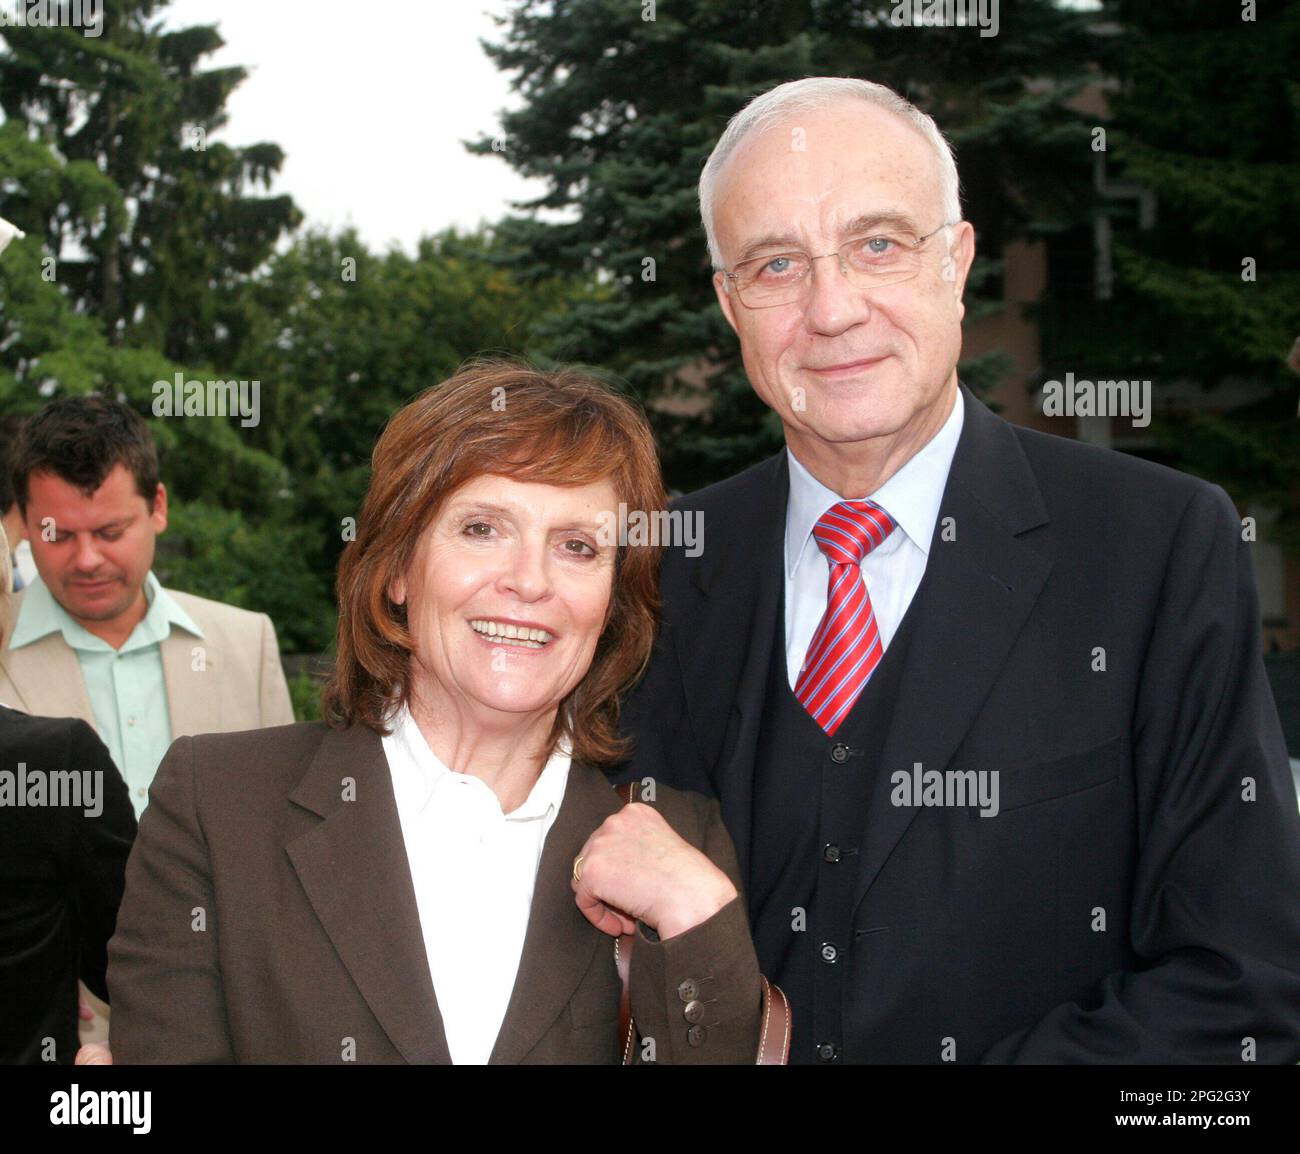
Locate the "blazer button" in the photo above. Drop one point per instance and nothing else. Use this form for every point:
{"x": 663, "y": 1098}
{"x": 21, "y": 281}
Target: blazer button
{"x": 830, "y": 954}
{"x": 695, "y": 1035}
{"x": 828, "y": 1052}
{"x": 688, "y": 991}
{"x": 839, "y": 753}
{"x": 694, "y": 1011}
{"x": 831, "y": 853}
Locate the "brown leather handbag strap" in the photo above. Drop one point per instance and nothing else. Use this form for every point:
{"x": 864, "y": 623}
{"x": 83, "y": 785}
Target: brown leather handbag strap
{"x": 773, "y": 1037}
{"x": 623, "y": 962}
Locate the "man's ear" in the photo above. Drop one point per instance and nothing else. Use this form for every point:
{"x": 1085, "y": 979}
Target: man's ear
{"x": 726, "y": 300}
{"x": 960, "y": 257}
{"x": 158, "y": 515}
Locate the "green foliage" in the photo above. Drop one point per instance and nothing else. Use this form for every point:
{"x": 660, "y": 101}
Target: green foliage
{"x": 1208, "y": 119}
{"x": 106, "y": 159}
{"x": 304, "y": 692}
{"x": 148, "y": 258}
{"x": 262, "y": 565}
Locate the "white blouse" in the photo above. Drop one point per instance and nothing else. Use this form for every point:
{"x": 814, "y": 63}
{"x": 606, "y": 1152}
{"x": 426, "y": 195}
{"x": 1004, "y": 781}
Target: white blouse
{"x": 474, "y": 869}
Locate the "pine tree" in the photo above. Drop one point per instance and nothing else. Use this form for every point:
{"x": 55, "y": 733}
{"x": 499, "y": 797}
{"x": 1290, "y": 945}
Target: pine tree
{"x": 153, "y": 224}
{"x": 1208, "y": 121}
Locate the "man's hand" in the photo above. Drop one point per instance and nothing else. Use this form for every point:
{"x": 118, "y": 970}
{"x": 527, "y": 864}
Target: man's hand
{"x": 635, "y": 867}
{"x": 94, "y": 1054}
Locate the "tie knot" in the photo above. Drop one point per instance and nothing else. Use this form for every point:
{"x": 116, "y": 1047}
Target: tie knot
{"x": 847, "y": 532}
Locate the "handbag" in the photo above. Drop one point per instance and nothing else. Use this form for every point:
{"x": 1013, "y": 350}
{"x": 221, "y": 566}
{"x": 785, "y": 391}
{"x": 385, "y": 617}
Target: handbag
{"x": 774, "y": 1035}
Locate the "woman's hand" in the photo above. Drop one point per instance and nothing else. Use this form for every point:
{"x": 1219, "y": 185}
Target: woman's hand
{"x": 635, "y": 867}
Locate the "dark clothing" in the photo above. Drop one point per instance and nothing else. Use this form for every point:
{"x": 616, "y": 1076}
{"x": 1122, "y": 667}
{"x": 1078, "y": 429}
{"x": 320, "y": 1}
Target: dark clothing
{"x": 1088, "y": 630}
{"x": 811, "y": 794}
{"x": 311, "y": 948}
{"x": 61, "y": 878}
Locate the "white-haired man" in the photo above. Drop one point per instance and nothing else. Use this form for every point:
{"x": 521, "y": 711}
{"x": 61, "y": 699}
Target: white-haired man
{"x": 985, "y": 708}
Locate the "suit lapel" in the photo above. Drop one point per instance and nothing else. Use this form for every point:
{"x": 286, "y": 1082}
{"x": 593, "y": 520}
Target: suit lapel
{"x": 726, "y": 635}
{"x": 46, "y": 679}
{"x": 193, "y": 681}
{"x": 354, "y": 869}
{"x": 560, "y": 942}
{"x": 977, "y": 593}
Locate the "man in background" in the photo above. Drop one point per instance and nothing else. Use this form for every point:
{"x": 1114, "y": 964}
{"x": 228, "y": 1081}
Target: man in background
{"x": 96, "y": 636}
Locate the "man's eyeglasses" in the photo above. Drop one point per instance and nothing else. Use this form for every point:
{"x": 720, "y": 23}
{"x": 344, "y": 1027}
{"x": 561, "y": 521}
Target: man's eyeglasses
{"x": 783, "y": 278}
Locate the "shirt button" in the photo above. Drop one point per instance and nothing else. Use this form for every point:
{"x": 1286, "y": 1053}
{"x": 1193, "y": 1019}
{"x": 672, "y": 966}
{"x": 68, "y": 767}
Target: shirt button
{"x": 688, "y": 991}
{"x": 828, "y": 1052}
{"x": 839, "y": 753}
{"x": 831, "y": 853}
{"x": 130, "y": 721}
{"x": 830, "y": 953}
{"x": 139, "y": 793}
{"x": 695, "y": 1035}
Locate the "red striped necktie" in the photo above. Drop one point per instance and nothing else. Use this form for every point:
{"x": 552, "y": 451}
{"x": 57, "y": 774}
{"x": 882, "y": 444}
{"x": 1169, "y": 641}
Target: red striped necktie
{"x": 846, "y": 648}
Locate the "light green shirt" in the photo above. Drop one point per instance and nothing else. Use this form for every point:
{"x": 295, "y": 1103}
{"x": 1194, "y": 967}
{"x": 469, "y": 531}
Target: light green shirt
{"x": 126, "y": 688}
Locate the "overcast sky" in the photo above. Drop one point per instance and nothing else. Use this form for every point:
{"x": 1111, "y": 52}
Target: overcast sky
{"x": 370, "y": 102}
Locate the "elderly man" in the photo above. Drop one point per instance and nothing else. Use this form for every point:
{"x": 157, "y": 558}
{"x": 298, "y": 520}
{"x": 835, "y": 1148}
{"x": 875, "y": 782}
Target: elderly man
{"x": 985, "y": 708}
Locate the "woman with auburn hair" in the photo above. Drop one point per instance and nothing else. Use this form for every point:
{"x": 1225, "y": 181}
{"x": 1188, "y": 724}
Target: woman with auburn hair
{"x": 438, "y": 872}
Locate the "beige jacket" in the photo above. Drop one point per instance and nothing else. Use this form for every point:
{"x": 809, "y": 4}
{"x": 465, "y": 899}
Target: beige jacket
{"x": 235, "y": 683}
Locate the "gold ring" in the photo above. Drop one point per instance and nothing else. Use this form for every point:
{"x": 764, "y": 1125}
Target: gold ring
{"x": 577, "y": 869}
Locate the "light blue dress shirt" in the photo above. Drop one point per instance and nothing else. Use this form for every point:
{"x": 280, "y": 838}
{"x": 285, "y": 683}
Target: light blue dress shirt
{"x": 127, "y": 691}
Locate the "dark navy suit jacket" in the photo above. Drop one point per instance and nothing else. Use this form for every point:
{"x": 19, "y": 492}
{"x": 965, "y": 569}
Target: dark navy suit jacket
{"x": 1091, "y": 632}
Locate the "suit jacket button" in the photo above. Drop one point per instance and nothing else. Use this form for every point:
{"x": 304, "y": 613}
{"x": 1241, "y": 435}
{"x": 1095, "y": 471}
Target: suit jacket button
{"x": 695, "y": 1035}
{"x": 828, "y": 1052}
{"x": 830, "y": 953}
{"x": 694, "y": 1011}
{"x": 688, "y": 991}
{"x": 831, "y": 853}
{"x": 839, "y": 753}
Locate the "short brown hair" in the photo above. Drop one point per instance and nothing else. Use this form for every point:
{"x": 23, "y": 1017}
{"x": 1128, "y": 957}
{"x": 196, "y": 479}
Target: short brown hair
{"x": 558, "y": 427}
{"x": 80, "y": 439}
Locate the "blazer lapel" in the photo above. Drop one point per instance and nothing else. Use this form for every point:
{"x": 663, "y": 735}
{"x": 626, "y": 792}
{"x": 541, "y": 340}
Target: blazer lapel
{"x": 977, "y": 593}
{"x": 726, "y": 635}
{"x": 354, "y": 869}
{"x": 560, "y": 942}
{"x": 46, "y": 678}
{"x": 192, "y": 675}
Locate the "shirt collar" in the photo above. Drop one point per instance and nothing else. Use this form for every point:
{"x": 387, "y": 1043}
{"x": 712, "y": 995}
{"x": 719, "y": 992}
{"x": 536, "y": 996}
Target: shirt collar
{"x": 911, "y": 496}
{"x": 40, "y": 615}
{"x": 419, "y": 770}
